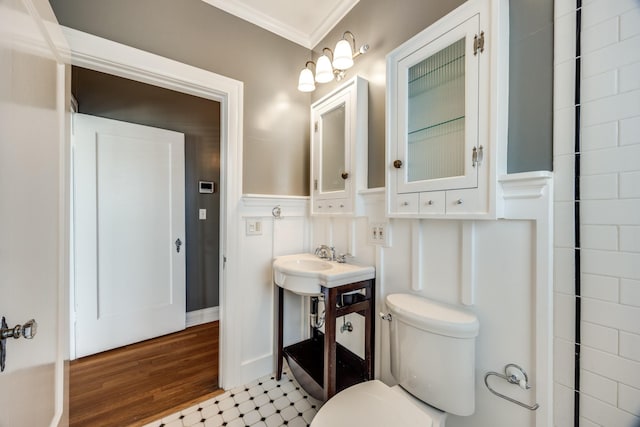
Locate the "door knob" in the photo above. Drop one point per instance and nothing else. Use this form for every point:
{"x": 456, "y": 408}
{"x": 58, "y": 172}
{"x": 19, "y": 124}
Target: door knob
{"x": 28, "y": 331}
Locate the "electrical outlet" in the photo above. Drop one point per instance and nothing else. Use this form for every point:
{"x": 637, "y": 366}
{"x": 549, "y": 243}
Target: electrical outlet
{"x": 254, "y": 227}
{"x": 378, "y": 234}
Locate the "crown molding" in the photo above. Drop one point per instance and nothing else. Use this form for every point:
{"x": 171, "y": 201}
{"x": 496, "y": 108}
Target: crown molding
{"x": 308, "y": 39}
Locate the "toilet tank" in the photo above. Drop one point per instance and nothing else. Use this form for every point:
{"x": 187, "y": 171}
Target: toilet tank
{"x": 433, "y": 351}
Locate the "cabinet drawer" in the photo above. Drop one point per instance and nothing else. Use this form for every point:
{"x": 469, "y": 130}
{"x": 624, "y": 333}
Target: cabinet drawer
{"x": 407, "y": 203}
{"x": 467, "y": 201}
{"x": 432, "y": 202}
{"x": 331, "y": 206}
{"x": 319, "y": 207}
{"x": 339, "y": 206}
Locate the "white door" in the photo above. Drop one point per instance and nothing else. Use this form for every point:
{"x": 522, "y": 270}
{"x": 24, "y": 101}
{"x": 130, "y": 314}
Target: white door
{"x": 129, "y": 233}
{"x": 32, "y": 210}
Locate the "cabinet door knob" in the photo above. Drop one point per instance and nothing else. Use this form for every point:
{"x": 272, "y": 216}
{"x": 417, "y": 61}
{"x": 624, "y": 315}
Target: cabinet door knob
{"x": 430, "y": 202}
{"x": 345, "y": 175}
{"x": 405, "y": 203}
{"x": 397, "y": 164}
{"x": 459, "y": 202}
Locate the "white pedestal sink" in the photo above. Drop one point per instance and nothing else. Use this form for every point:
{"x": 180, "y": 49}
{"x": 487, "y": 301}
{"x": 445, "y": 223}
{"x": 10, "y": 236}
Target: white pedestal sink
{"x": 304, "y": 274}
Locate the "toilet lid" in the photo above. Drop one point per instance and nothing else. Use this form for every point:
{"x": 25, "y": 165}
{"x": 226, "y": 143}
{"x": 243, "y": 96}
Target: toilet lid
{"x": 370, "y": 404}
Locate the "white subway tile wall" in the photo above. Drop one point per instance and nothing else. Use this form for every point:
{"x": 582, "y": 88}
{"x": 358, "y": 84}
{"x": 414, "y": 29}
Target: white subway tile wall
{"x": 610, "y": 212}
{"x": 599, "y": 337}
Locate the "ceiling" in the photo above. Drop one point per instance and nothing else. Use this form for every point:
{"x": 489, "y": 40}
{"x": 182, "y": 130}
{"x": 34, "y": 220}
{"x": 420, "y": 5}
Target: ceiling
{"x": 305, "y": 22}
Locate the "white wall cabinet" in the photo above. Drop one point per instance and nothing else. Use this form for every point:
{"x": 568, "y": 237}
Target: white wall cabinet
{"x": 447, "y": 116}
{"x": 339, "y": 147}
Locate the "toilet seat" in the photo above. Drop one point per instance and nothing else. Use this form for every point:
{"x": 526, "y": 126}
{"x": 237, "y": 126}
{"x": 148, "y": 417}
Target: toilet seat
{"x": 373, "y": 403}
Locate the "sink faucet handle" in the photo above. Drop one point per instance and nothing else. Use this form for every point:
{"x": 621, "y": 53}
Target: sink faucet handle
{"x": 326, "y": 252}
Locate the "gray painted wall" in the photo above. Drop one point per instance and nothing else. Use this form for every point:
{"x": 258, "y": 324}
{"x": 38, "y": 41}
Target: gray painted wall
{"x": 276, "y": 115}
{"x": 276, "y": 140}
{"x": 530, "y": 86}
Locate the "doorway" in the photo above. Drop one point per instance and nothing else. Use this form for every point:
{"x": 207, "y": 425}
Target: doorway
{"x": 102, "y": 55}
{"x": 112, "y": 97}
{"x": 115, "y": 101}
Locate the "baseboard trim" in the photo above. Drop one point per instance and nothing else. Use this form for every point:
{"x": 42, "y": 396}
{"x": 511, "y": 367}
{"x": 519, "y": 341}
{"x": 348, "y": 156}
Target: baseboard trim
{"x": 206, "y": 315}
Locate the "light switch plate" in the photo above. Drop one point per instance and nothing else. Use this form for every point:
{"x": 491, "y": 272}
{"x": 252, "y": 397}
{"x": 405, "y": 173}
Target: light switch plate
{"x": 254, "y": 227}
{"x": 202, "y": 214}
{"x": 379, "y": 233}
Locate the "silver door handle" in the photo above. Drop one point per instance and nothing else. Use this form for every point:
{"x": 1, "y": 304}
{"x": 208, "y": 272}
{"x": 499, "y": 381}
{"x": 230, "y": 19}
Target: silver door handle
{"x": 27, "y": 331}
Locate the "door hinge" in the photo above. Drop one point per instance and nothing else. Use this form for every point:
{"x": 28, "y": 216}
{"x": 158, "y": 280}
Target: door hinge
{"x": 315, "y": 127}
{"x": 478, "y": 43}
{"x": 315, "y": 185}
{"x": 476, "y": 156}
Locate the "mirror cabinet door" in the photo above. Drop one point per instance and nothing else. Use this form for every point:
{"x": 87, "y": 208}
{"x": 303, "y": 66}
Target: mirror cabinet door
{"x": 332, "y": 145}
{"x": 338, "y": 149}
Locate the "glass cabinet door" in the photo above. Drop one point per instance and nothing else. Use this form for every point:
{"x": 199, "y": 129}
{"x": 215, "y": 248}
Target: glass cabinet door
{"x": 339, "y": 149}
{"x": 332, "y": 157}
{"x": 438, "y": 113}
{"x": 331, "y": 142}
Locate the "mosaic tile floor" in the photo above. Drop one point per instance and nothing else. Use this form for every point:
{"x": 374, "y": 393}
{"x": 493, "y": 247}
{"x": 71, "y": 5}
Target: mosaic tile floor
{"x": 261, "y": 403}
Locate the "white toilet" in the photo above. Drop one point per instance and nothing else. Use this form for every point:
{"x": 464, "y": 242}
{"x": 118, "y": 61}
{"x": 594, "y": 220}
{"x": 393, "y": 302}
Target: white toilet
{"x": 433, "y": 360}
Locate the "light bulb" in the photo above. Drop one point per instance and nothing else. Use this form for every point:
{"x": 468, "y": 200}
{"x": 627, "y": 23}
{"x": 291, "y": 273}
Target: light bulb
{"x": 305, "y": 81}
{"x": 324, "y": 72}
{"x": 343, "y": 55}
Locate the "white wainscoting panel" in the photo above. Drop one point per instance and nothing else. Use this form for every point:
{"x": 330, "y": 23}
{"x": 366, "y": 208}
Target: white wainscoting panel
{"x": 501, "y": 270}
{"x": 287, "y": 234}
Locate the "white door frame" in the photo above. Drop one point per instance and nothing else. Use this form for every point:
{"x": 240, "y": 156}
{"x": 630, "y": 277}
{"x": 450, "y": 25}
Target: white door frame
{"x": 92, "y": 52}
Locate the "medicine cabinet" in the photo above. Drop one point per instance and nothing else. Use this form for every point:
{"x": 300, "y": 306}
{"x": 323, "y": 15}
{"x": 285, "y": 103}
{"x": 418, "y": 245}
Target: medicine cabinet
{"x": 339, "y": 149}
{"x": 447, "y": 115}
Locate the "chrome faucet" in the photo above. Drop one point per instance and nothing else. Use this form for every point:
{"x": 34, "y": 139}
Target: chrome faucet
{"x": 326, "y": 252}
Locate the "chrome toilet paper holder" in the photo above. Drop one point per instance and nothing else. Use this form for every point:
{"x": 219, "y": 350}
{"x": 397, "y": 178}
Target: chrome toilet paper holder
{"x": 513, "y": 374}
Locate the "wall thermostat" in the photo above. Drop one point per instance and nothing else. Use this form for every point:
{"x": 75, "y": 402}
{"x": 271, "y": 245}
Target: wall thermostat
{"x": 207, "y": 187}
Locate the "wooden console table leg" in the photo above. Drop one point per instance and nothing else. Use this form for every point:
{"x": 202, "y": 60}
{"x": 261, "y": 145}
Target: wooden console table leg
{"x": 279, "y": 344}
{"x": 369, "y": 331}
{"x": 330, "y": 300}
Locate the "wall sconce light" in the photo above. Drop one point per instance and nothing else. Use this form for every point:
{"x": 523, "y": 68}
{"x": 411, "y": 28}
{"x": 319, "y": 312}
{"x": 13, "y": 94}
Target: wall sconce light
{"x": 305, "y": 81}
{"x": 335, "y": 68}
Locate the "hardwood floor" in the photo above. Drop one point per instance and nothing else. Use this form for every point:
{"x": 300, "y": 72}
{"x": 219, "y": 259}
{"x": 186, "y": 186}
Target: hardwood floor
{"x": 142, "y": 382}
